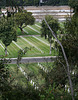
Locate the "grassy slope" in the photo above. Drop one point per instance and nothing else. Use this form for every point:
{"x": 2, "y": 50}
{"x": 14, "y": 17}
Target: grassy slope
{"x": 18, "y": 77}
{"x": 13, "y": 49}
{"x": 33, "y": 70}
{"x": 30, "y": 31}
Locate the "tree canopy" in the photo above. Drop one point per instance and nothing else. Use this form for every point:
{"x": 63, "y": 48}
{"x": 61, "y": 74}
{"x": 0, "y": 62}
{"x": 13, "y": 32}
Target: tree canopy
{"x": 24, "y": 18}
{"x": 74, "y": 4}
{"x": 53, "y": 24}
{"x": 45, "y": 30}
{"x": 7, "y": 32}
{"x": 56, "y": 2}
{"x": 32, "y": 2}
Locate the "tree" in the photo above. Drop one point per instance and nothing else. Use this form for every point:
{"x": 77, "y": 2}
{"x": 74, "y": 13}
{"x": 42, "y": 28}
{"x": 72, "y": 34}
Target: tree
{"x": 70, "y": 44}
{"x": 14, "y": 3}
{"x": 70, "y": 41}
{"x": 21, "y": 2}
{"x": 32, "y": 2}
{"x": 65, "y": 59}
{"x": 2, "y": 2}
{"x": 4, "y": 77}
{"x": 7, "y": 32}
{"x": 74, "y": 4}
{"x": 45, "y": 30}
{"x": 24, "y": 18}
{"x": 55, "y": 2}
{"x": 54, "y": 77}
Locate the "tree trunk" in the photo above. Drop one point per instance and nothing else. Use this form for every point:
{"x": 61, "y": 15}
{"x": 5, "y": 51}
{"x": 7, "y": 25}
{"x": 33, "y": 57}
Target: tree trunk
{"x": 65, "y": 57}
{"x": 21, "y": 30}
{"x": 50, "y": 46}
{"x": 45, "y": 36}
{"x": 5, "y": 50}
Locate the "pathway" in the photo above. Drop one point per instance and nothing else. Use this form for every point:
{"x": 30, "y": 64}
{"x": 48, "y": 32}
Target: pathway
{"x": 33, "y": 59}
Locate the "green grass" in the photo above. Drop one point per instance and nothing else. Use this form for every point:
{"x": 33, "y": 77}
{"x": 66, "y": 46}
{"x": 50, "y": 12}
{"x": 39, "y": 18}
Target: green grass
{"x": 36, "y": 47}
{"x": 48, "y": 65}
{"x": 61, "y": 24}
{"x": 33, "y": 70}
{"x": 36, "y": 27}
{"x": 19, "y": 31}
{"x": 29, "y": 30}
{"x": 22, "y": 43}
{"x": 43, "y": 39}
{"x": 38, "y": 24}
{"x": 39, "y": 44}
{"x": 1, "y": 50}
{"x": 18, "y": 77}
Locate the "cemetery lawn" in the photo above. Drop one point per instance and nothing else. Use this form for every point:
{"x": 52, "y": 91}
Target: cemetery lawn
{"x": 38, "y": 47}
{"x": 33, "y": 71}
{"x": 30, "y": 30}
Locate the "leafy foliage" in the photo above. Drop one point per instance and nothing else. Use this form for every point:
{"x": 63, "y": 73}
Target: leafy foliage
{"x": 24, "y": 18}
{"x": 53, "y": 24}
{"x": 32, "y": 2}
{"x": 7, "y": 31}
{"x": 71, "y": 39}
{"x": 70, "y": 43}
{"x": 4, "y": 77}
{"x": 19, "y": 93}
{"x": 56, "y": 2}
{"x": 54, "y": 77}
{"x": 74, "y": 4}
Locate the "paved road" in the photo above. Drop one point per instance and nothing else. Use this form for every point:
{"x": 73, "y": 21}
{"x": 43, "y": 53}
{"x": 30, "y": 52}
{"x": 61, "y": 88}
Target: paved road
{"x": 34, "y": 59}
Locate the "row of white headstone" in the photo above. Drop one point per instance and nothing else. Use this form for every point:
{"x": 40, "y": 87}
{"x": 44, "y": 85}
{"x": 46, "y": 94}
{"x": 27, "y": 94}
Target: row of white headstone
{"x": 42, "y": 67}
{"x": 26, "y": 76}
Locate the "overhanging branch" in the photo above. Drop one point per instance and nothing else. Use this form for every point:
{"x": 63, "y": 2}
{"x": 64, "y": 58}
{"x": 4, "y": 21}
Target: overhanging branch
{"x": 65, "y": 57}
